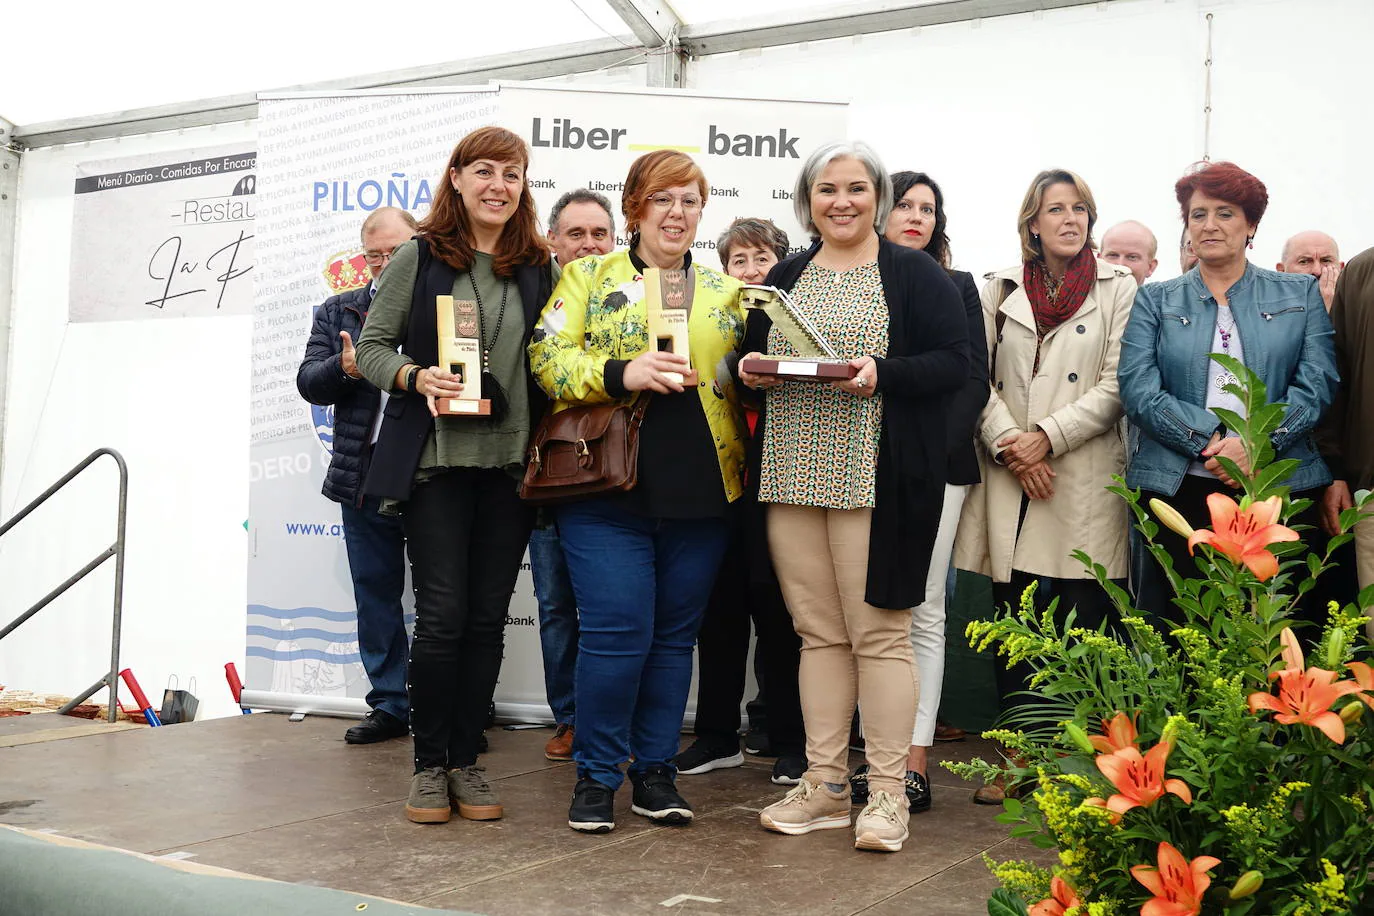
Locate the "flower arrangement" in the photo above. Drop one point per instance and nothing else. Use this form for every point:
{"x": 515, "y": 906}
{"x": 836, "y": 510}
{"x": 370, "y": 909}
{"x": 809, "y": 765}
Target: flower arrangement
{"x": 1216, "y": 768}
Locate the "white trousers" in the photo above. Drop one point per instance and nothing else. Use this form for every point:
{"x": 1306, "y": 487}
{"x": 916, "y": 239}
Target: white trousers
{"x": 928, "y": 621}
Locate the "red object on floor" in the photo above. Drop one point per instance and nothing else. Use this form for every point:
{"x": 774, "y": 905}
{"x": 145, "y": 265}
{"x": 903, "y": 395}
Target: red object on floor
{"x": 147, "y": 708}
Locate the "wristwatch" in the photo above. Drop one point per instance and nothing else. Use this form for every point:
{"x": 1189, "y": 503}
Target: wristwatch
{"x": 411, "y": 377}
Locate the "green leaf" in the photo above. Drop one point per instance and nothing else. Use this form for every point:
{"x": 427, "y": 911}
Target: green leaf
{"x": 1013, "y": 807}
{"x": 1004, "y": 903}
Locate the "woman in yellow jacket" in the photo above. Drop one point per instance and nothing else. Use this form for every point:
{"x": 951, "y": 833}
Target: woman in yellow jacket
{"x": 642, "y": 562}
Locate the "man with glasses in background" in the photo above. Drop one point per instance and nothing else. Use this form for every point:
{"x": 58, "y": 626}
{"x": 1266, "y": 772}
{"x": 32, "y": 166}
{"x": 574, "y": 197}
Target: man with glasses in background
{"x": 329, "y": 376}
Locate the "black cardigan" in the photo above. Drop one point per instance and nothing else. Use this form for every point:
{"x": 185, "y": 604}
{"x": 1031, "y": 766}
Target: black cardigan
{"x": 928, "y": 358}
{"x": 407, "y": 421}
{"x": 967, "y": 405}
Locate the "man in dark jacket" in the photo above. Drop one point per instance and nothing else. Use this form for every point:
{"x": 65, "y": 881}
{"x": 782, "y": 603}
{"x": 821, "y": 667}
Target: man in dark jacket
{"x": 1345, "y": 436}
{"x": 376, "y": 545}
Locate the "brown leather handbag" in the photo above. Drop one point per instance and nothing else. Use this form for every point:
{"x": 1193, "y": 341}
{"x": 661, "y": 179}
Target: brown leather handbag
{"x": 584, "y": 451}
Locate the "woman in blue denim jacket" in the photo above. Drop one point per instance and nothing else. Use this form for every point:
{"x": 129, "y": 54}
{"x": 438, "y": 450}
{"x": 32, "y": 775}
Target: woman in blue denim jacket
{"x": 1274, "y": 323}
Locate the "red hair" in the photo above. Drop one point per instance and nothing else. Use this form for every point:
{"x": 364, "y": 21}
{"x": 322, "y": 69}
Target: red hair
{"x": 653, "y": 172}
{"x": 446, "y": 227}
{"x": 1224, "y": 181}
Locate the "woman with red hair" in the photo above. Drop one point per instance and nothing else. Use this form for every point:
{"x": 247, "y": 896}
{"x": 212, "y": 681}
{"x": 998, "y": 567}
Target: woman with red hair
{"x": 454, "y": 478}
{"x": 643, "y": 562}
{"x": 1273, "y": 323}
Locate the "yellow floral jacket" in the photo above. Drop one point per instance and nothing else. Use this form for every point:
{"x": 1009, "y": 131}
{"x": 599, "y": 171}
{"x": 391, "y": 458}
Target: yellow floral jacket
{"x": 597, "y": 313}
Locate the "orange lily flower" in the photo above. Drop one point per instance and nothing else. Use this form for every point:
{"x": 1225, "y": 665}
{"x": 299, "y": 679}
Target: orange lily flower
{"x": 1305, "y": 694}
{"x": 1061, "y": 898}
{"x": 1139, "y": 781}
{"x": 1364, "y": 676}
{"x": 1243, "y": 534}
{"x": 1178, "y": 885}
{"x": 1120, "y": 734}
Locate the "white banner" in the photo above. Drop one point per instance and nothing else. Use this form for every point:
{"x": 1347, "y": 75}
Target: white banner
{"x": 750, "y": 149}
{"x": 164, "y": 236}
{"x": 326, "y": 163}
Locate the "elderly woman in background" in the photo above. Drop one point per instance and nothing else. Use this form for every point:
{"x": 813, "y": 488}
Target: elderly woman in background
{"x": 746, "y": 588}
{"x": 854, "y": 473}
{"x": 1050, "y": 425}
{"x": 642, "y": 562}
{"x": 918, "y": 221}
{"x": 1274, "y": 323}
{"x": 456, "y": 477}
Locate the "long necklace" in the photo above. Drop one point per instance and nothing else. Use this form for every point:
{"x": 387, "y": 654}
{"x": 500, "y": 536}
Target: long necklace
{"x": 500, "y": 320}
{"x": 837, "y": 277}
{"x": 1225, "y": 329}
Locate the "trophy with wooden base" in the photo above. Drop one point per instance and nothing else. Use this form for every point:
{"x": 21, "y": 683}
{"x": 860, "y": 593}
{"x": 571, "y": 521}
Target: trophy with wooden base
{"x": 460, "y": 352}
{"x": 668, "y": 296}
{"x": 816, "y": 359}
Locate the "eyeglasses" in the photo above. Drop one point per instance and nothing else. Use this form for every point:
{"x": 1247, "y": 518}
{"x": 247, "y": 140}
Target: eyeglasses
{"x": 690, "y": 202}
{"x": 377, "y": 258}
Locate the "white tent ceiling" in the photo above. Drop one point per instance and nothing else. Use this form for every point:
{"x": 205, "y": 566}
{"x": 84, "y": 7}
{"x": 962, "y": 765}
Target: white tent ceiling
{"x": 87, "y": 60}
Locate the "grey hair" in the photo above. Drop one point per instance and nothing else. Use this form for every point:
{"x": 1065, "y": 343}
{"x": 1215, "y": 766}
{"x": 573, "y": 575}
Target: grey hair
{"x": 823, "y": 156}
{"x": 580, "y": 196}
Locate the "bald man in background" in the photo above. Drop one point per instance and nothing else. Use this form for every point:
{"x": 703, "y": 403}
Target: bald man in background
{"x": 1133, "y": 246}
{"x": 1314, "y": 253}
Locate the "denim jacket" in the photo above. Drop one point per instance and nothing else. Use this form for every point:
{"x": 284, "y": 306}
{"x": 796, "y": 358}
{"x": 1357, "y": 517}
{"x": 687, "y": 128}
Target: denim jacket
{"x": 1286, "y": 337}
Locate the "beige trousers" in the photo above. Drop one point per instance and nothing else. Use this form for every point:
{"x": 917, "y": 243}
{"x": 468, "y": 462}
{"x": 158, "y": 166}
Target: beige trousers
{"x": 850, "y": 649}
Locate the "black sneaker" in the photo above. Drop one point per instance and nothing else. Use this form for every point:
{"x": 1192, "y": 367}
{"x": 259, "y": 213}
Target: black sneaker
{"x": 699, "y": 759}
{"x": 756, "y": 743}
{"x": 858, "y": 785}
{"x": 656, "y": 797}
{"x": 788, "y": 770}
{"x": 917, "y": 792}
{"x": 593, "y": 807}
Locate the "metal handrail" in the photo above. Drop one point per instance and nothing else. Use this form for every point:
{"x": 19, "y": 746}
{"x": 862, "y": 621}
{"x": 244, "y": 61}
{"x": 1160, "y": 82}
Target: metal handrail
{"x": 116, "y": 550}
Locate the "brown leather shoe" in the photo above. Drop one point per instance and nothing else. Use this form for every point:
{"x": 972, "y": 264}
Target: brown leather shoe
{"x": 560, "y": 745}
{"x": 991, "y": 793}
{"x": 945, "y": 732}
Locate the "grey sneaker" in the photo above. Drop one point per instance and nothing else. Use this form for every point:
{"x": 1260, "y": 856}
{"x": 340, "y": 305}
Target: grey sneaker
{"x": 806, "y": 808}
{"x": 882, "y": 826}
{"x": 428, "y": 799}
{"x": 472, "y": 795}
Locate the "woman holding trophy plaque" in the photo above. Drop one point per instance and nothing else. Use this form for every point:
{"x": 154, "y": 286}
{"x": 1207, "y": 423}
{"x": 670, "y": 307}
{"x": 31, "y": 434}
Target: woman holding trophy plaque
{"x": 854, "y": 472}
{"x": 446, "y": 331}
{"x": 647, "y": 322}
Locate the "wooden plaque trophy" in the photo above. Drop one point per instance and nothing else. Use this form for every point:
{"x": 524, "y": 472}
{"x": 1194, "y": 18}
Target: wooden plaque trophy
{"x": 816, "y": 359}
{"x": 668, "y": 294}
{"x": 460, "y": 352}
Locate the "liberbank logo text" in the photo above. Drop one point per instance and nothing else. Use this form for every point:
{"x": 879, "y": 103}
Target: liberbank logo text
{"x": 562, "y": 133}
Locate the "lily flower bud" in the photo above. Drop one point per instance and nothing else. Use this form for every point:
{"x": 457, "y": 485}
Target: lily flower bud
{"x": 1246, "y": 885}
{"x": 1351, "y": 713}
{"x": 1171, "y": 518}
{"x": 1079, "y": 737}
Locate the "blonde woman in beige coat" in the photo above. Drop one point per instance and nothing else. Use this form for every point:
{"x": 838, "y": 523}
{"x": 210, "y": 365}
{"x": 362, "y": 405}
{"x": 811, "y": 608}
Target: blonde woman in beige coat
{"x": 1050, "y": 437}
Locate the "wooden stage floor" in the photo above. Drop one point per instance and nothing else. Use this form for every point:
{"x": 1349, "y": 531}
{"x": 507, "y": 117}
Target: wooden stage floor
{"x": 292, "y": 801}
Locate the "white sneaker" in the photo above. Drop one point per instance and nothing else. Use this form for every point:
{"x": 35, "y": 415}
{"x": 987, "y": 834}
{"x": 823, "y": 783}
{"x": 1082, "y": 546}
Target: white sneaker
{"x": 882, "y": 825}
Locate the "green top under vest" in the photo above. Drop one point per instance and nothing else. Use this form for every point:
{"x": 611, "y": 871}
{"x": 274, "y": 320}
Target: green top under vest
{"x": 455, "y": 442}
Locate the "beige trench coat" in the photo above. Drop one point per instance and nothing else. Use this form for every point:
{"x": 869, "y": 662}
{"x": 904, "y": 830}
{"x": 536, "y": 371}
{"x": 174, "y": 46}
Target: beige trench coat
{"x": 1074, "y": 399}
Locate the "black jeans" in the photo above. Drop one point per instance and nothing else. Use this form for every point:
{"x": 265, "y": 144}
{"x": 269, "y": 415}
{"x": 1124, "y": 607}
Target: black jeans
{"x": 742, "y": 592}
{"x": 466, "y": 530}
{"x": 1085, "y": 595}
{"x": 1153, "y": 594}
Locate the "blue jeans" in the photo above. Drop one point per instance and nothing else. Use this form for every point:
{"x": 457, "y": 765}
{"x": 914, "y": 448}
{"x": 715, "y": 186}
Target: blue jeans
{"x": 641, "y": 585}
{"x": 376, "y": 548}
{"x": 557, "y": 621}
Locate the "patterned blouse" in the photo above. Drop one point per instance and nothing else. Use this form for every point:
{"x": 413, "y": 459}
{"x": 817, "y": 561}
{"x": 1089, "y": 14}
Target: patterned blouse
{"x": 820, "y": 444}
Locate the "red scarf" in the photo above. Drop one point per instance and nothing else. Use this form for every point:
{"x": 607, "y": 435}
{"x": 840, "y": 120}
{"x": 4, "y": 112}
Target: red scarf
{"x": 1052, "y": 311}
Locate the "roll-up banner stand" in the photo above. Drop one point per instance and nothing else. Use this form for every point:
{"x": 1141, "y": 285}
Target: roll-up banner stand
{"x": 324, "y": 163}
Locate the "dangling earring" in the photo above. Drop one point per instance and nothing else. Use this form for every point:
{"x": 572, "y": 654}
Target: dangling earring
{"x": 1250, "y": 243}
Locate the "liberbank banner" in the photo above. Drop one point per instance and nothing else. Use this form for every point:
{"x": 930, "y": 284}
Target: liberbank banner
{"x": 750, "y": 149}
{"x": 324, "y": 163}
